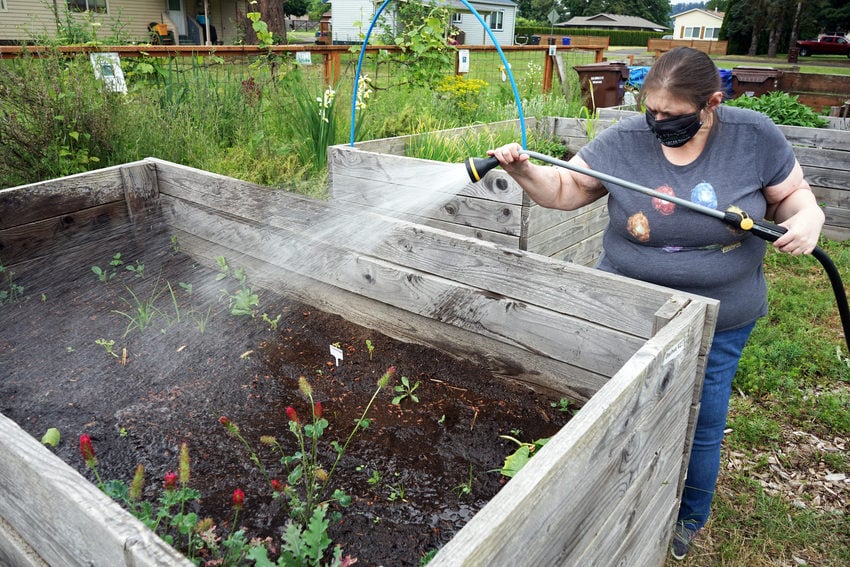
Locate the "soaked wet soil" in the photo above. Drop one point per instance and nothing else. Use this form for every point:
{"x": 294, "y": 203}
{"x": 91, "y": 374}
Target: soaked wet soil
{"x": 416, "y": 475}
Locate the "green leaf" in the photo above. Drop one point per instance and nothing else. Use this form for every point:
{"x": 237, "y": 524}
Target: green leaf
{"x": 51, "y": 437}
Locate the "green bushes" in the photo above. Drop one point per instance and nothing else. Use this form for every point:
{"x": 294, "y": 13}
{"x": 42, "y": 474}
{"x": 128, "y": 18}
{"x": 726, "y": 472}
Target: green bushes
{"x": 55, "y": 120}
{"x": 782, "y": 108}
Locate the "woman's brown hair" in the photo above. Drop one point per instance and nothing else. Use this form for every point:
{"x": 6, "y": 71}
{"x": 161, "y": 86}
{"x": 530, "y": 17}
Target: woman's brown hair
{"x": 687, "y": 74}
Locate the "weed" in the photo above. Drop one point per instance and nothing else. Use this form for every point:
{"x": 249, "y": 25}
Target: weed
{"x": 405, "y": 390}
{"x": 138, "y": 268}
{"x": 107, "y": 345}
{"x": 397, "y": 491}
{"x": 563, "y": 405}
{"x": 465, "y": 488}
{"x": 142, "y": 312}
{"x": 187, "y": 287}
{"x": 12, "y": 291}
{"x": 201, "y": 319}
{"x": 106, "y": 274}
{"x": 243, "y": 301}
{"x": 175, "y": 245}
{"x": 519, "y": 458}
{"x": 272, "y": 323}
{"x": 370, "y": 347}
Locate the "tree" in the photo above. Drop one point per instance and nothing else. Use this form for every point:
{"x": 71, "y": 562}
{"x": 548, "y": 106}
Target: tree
{"x": 296, "y": 7}
{"x": 271, "y": 12}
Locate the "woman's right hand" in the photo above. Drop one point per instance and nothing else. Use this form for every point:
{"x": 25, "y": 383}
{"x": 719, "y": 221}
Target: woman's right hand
{"x": 511, "y": 158}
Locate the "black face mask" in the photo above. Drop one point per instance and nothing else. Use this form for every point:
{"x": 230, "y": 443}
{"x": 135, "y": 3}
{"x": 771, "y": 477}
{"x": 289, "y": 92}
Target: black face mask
{"x": 676, "y": 130}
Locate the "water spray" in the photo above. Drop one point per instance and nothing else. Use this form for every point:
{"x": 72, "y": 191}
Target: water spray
{"x": 477, "y": 168}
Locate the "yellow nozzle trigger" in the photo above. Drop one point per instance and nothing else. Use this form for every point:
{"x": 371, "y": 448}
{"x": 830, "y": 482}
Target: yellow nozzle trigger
{"x": 746, "y": 223}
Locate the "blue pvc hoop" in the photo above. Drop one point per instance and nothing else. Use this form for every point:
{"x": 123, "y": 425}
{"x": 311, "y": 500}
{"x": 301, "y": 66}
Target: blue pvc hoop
{"x": 492, "y": 38}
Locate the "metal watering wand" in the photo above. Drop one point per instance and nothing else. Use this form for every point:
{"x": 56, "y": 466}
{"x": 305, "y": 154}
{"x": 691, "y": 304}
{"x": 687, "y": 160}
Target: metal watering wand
{"x": 478, "y": 167}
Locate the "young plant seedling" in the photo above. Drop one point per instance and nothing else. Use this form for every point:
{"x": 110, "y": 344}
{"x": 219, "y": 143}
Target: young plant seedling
{"x": 105, "y": 275}
{"x": 138, "y": 268}
{"x": 405, "y": 390}
{"x": 563, "y": 406}
{"x": 272, "y": 323}
{"x": 11, "y": 291}
{"x": 107, "y": 344}
{"x": 464, "y": 488}
{"x": 370, "y": 347}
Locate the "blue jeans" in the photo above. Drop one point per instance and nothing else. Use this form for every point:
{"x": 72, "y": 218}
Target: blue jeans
{"x": 704, "y": 465}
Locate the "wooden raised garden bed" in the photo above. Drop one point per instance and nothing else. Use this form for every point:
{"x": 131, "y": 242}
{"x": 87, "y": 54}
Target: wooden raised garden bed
{"x": 604, "y": 490}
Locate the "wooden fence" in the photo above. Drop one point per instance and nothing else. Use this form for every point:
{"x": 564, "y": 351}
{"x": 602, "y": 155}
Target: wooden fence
{"x": 659, "y": 46}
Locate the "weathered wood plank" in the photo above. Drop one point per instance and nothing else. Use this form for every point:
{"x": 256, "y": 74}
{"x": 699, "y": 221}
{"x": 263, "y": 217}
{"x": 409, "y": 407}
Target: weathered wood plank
{"x": 390, "y": 199}
{"x": 48, "y": 199}
{"x": 354, "y": 171}
{"x": 66, "y": 519}
{"x": 14, "y": 550}
{"x": 499, "y": 238}
{"x": 585, "y": 253}
{"x": 821, "y": 158}
{"x": 550, "y": 241}
{"x": 537, "y": 218}
{"x": 633, "y": 426}
{"x": 830, "y": 178}
{"x": 500, "y": 358}
{"x": 830, "y": 197}
{"x": 536, "y": 329}
{"x": 822, "y": 138}
{"x": 624, "y": 304}
{"x": 140, "y": 189}
{"x": 49, "y": 235}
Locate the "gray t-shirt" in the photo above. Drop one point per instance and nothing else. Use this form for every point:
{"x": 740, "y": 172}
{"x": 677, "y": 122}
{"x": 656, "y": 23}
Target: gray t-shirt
{"x": 666, "y": 244}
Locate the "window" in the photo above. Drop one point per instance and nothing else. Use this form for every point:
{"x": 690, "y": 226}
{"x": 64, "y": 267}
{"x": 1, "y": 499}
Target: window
{"x": 87, "y": 6}
{"x": 691, "y": 33}
{"x": 457, "y": 18}
{"x": 712, "y": 33}
{"x": 497, "y": 20}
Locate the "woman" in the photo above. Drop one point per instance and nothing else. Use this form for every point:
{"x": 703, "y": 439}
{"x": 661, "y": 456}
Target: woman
{"x": 689, "y": 145}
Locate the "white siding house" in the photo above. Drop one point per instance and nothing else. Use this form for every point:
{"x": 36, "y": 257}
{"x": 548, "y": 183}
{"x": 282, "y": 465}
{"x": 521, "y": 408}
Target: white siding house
{"x": 350, "y": 20}
{"x": 697, "y": 24}
{"x": 26, "y": 20}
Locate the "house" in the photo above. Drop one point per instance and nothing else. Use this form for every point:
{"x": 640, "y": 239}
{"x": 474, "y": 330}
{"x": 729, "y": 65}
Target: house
{"x": 697, "y": 24}
{"x": 350, "y": 20}
{"x": 25, "y": 20}
{"x": 612, "y": 22}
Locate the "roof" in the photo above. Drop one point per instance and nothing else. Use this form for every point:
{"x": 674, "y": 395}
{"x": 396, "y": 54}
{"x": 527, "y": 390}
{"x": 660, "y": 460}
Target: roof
{"x": 711, "y": 13}
{"x": 612, "y": 21}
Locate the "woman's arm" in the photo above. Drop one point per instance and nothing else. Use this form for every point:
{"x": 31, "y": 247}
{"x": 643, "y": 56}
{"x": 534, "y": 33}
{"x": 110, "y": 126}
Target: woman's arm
{"x": 792, "y": 204}
{"x": 552, "y": 187}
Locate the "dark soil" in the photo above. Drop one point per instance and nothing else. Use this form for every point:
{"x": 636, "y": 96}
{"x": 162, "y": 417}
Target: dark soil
{"x": 196, "y": 362}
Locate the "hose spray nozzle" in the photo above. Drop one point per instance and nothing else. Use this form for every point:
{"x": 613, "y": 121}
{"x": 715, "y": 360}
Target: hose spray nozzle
{"x": 478, "y": 167}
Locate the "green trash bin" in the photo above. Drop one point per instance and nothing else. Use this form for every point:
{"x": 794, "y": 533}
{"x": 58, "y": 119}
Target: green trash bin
{"x": 602, "y": 84}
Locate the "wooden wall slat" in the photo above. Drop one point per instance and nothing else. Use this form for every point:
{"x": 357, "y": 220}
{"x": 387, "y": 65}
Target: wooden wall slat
{"x": 48, "y": 199}
{"x": 52, "y": 235}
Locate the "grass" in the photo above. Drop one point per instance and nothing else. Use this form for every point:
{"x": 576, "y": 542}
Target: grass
{"x": 789, "y": 425}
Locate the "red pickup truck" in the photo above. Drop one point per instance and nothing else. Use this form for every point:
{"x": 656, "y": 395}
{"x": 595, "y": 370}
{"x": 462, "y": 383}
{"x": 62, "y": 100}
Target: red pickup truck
{"x": 825, "y": 45}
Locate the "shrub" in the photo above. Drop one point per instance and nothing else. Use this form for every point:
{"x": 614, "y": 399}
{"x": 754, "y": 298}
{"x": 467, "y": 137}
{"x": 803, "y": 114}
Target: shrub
{"x": 782, "y": 108}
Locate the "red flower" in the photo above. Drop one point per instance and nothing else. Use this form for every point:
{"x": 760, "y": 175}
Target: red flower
{"x": 276, "y": 485}
{"x": 317, "y": 410}
{"x": 224, "y": 421}
{"x": 291, "y": 414}
{"x": 86, "y": 450}
{"x": 238, "y": 499}
{"x": 171, "y": 480}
